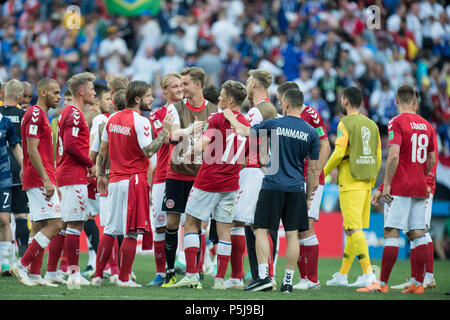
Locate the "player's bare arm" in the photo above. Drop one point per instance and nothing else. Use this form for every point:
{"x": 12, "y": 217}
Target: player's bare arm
{"x": 391, "y": 166}
{"x": 324, "y": 152}
{"x": 102, "y": 160}
{"x": 154, "y": 146}
{"x": 312, "y": 178}
{"x": 239, "y": 127}
{"x": 431, "y": 161}
{"x": 36, "y": 161}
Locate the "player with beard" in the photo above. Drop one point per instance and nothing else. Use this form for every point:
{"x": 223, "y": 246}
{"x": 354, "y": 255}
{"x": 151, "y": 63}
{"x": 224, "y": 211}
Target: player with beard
{"x": 39, "y": 180}
{"x": 128, "y": 142}
{"x": 190, "y": 115}
{"x": 73, "y": 169}
{"x": 171, "y": 85}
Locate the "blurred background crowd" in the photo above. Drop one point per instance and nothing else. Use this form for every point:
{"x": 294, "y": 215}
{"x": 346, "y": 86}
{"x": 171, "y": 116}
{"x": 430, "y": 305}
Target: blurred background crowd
{"x": 322, "y": 45}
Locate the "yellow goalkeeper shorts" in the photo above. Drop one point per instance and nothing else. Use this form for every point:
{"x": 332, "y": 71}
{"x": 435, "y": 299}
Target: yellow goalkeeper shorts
{"x": 355, "y": 208}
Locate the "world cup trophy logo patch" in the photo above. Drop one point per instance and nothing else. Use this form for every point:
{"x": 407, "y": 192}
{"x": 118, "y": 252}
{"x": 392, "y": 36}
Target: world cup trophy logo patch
{"x": 365, "y": 136}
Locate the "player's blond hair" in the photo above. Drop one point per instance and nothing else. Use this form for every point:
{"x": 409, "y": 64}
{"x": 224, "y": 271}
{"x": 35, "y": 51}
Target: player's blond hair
{"x": 262, "y": 77}
{"x": 13, "y": 89}
{"x": 167, "y": 77}
{"x": 117, "y": 82}
{"x": 79, "y": 80}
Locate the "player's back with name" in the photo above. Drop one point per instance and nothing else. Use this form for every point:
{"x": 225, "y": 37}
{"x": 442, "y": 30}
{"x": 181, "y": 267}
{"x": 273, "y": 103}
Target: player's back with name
{"x": 414, "y": 135}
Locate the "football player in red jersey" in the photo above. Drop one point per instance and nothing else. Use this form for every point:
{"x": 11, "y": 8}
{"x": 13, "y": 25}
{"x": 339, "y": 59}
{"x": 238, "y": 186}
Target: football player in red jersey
{"x": 74, "y": 168}
{"x": 411, "y": 157}
{"x": 39, "y": 179}
{"x": 127, "y": 139}
{"x": 216, "y": 184}
{"x": 171, "y": 85}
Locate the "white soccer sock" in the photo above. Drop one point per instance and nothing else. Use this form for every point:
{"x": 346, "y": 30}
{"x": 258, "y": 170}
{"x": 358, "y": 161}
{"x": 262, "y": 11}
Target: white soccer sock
{"x": 263, "y": 270}
{"x": 288, "y": 275}
{"x": 42, "y": 240}
{"x": 5, "y": 247}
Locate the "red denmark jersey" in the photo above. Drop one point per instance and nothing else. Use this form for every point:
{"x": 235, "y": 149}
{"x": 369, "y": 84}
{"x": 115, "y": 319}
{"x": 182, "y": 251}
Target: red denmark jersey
{"x": 162, "y": 156}
{"x": 35, "y": 125}
{"x": 311, "y": 116}
{"x": 72, "y": 156}
{"x": 431, "y": 178}
{"x": 223, "y": 157}
{"x": 127, "y": 132}
{"x": 414, "y": 135}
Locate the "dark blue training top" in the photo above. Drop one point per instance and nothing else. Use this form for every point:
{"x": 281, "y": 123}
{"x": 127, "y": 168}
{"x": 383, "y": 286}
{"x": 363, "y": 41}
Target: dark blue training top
{"x": 292, "y": 140}
{"x": 8, "y": 137}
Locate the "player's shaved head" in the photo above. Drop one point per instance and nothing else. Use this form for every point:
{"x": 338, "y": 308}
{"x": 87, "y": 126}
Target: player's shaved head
{"x": 44, "y": 83}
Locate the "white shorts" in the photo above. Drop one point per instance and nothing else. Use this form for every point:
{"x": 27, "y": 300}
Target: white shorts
{"x": 314, "y": 209}
{"x": 94, "y": 205}
{"x": 250, "y": 181}
{"x": 74, "y": 205}
{"x": 428, "y": 207}
{"x": 218, "y": 205}
{"x": 405, "y": 213}
{"x": 158, "y": 216}
{"x": 104, "y": 209}
{"x": 115, "y": 222}
{"x": 42, "y": 208}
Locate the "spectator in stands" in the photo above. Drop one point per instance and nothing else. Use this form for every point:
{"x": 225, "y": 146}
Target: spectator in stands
{"x": 113, "y": 51}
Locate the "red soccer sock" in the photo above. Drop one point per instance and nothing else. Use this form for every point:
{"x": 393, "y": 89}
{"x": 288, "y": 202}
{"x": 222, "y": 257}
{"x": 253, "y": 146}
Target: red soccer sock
{"x": 126, "y": 256}
{"x": 114, "y": 259}
{"x": 159, "y": 242}
{"x": 270, "y": 262}
{"x": 34, "y": 250}
{"x": 55, "y": 249}
{"x": 412, "y": 259}
{"x": 237, "y": 256}
{"x": 72, "y": 247}
{"x": 191, "y": 258}
{"x": 104, "y": 249}
{"x": 201, "y": 257}
{"x": 420, "y": 262}
{"x": 430, "y": 260}
{"x": 390, "y": 253}
{"x": 223, "y": 257}
{"x": 36, "y": 264}
{"x": 301, "y": 262}
{"x": 311, "y": 260}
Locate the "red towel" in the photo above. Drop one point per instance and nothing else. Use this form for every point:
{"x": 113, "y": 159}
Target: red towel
{"x": 138, "y": 214}
{"x": 92, "y": 188}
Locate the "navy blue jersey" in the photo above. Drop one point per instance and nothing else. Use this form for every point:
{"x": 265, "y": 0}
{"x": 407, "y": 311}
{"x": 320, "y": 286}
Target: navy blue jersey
{"x": 292, "y": 140}
{"x": 15, "y": 115}
{"x": 8, "y": 137}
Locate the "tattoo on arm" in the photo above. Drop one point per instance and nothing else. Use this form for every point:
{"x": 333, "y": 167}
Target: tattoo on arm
{"x": 391, "y": 166}
{"x": 151, "y": 149}
{"x": 101, "y": 163}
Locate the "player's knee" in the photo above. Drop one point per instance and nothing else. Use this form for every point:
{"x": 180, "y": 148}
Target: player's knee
{"x": 4, "y": 220}
{"x": 160, "y": 230}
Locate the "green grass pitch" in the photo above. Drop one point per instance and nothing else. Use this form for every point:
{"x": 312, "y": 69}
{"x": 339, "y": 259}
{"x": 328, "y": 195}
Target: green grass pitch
{"x": 144, "y": 268}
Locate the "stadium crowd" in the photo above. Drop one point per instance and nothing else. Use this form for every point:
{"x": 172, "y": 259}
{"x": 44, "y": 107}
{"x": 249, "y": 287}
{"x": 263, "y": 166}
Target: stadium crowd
{"x": 322, "y": 46}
